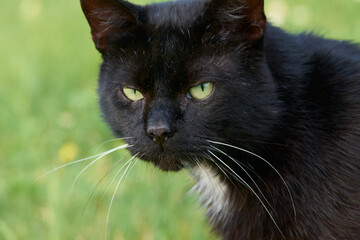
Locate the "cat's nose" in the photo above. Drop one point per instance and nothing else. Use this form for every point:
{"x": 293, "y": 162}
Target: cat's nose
{"x": 159, "y": 133}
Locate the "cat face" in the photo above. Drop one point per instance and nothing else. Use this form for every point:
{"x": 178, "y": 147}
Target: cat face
{"x": 178, "y": 75}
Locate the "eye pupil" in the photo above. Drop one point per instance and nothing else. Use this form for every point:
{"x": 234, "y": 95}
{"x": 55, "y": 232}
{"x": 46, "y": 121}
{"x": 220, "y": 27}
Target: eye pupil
{"x": 202, "y": 87}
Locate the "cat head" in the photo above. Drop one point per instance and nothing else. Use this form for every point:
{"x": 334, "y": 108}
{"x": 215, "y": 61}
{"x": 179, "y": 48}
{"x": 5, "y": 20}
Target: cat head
{"x": 177, "y": 75}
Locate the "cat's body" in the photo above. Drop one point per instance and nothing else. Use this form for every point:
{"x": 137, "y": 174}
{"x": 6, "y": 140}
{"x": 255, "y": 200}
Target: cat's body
{"x": 275, "y": 142}
{"x": 320, "y": 132}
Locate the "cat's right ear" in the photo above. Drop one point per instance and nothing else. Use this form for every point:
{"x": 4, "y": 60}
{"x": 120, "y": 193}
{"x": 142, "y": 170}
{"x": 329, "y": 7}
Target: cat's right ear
{"x": 109, "y": 19}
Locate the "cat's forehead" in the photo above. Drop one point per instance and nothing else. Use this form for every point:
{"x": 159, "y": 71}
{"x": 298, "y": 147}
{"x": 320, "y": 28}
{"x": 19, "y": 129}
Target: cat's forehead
{"x": 175, "y": 13}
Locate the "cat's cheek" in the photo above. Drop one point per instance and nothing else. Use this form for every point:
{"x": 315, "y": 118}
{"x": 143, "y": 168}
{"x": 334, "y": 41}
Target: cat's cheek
{"x": 121, "y": 114}
{"x": 127, "y": 122}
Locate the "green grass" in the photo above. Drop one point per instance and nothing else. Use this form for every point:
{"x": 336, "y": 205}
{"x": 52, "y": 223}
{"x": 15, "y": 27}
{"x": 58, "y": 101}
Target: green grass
{"x": 49, "y": 116}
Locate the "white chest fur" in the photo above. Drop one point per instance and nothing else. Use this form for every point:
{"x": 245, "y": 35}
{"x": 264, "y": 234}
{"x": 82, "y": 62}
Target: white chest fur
{"x": 214, "y": 193}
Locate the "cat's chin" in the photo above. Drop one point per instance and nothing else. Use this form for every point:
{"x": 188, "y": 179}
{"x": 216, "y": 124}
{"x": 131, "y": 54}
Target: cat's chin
{"x": 165, "y": 163}
{"x": 169, "y": 165}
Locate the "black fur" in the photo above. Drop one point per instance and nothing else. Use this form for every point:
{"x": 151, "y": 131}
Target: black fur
{"x": 292, "y": 99}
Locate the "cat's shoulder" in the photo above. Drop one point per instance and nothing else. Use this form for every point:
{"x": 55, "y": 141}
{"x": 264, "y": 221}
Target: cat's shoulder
{"x": 335, "y": 60}
{"x": 311, "y": 44}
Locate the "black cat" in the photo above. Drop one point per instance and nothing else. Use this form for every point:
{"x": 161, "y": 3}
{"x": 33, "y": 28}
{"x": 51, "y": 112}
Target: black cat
{"x": 268, "y": 122}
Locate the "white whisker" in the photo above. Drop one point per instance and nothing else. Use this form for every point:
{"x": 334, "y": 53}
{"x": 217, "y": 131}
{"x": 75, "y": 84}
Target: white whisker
{"x": 102, "y": 155}
{"x": 113, "y": 196}
{"x": 117, "y": 174}
{"x": 251, "y": 189}
{"x": 109, "y": 171}
{"x": 113, "y": 140}
{"x": 242, "y": 168}
{"x": 267, "y": 162}
{"x": 100, "y": 181}
{"x": 71, "y": 163}
{"x": 222, "y": 170}
{"x": 132, "y": 168}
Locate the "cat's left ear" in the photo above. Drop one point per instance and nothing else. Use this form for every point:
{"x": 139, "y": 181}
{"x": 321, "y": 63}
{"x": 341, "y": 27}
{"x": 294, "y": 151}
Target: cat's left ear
{"x": 109, "y": 19}
{"x": 242, "y": 18}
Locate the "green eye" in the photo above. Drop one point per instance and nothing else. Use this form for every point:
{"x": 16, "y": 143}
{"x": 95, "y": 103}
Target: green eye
{"x": 132, "y": 94}
{"x": 201, "y": 91}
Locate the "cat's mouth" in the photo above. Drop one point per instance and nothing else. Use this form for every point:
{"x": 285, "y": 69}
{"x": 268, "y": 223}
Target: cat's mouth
{"x": 166, "y": 159}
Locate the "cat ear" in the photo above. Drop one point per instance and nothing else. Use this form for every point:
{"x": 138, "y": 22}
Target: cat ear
{"x": 108, "y": 19}
{"x": 243, "y": 18}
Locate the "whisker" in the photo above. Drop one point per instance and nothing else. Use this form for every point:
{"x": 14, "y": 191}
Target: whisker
{"x": 242, "y": 168}
{"x": 223, "y": 171}
{"x": 102, "y": 155}
{"x": 113, "y": 196}
{"x": 248, "y": 168}
{"x": 132, "y": 168}
{"x": 117, "y": 174}
{"x": 113, "y": 140}
{"x": 251, "y": 189}
{"x": 268, "y": 163}
{"x": 71, "y": 163}
{"x": 100, "y": 181}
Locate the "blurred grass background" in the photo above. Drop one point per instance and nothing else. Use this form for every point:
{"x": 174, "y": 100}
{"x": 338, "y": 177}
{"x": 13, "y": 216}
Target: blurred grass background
{"x": 49, "y": 116}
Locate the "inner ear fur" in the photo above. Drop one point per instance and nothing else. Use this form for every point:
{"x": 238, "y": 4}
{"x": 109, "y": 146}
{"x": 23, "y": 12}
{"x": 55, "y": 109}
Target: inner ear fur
{"x": 109, "y": 18}
{"x": 234, "y": 19}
